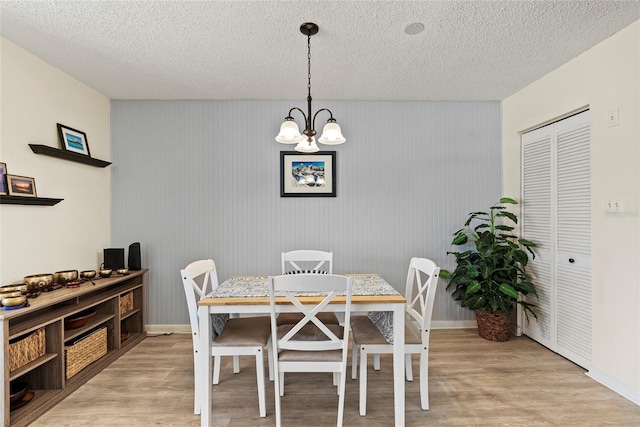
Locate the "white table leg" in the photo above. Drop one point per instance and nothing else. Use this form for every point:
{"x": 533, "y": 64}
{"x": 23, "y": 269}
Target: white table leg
{"x": 398, "y": 363}
{"x": 204, "y": 382}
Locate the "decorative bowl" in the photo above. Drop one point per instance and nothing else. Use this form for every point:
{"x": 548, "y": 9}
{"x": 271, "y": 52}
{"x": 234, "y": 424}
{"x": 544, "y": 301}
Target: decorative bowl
{"x": 62, "y": 277}
{"x": 37, "y": 282}
{"x": 79, "y": 319}
{"x": 18, "y": 390}
{"x": 10, "y": 294}
{"x": 122, "y": 271}
{"x": 88, "y": 274}
{"x": 14, "y": 288}
{"x": 13, "y": 301}
{"x": 105, "y": 272}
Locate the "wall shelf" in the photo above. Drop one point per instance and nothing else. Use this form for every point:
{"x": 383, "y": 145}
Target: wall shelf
{"x": 68, "y": 155}
{"x": 19, "y": 200}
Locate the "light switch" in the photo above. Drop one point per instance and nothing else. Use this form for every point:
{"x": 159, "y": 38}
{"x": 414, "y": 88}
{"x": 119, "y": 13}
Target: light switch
{"x": 612, "y": 118}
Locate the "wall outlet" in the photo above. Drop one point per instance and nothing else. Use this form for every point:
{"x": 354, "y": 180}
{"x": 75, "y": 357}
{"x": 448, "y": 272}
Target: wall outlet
{"x": 614, "y": 205}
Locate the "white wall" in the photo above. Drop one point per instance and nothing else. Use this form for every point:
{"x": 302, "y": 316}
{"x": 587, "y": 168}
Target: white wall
{"x": 70, "y": 235}
{"x": 604, "y": 78}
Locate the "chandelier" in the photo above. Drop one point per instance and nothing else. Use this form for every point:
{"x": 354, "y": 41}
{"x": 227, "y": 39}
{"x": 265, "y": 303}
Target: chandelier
{"x": 289, "y": 131}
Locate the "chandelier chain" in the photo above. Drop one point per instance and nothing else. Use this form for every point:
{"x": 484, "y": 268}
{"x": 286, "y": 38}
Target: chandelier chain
{"x": 309, "y": 64}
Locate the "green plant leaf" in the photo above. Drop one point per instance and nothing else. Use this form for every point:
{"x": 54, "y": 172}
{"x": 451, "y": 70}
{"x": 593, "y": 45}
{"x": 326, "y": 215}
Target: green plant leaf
{"x": 445, "y": 274}
{"x": 473, "y": 287}
{"x": 509, "y": 215}
{"x": 508, "y": 290}
{"x": 460, "y": 239}
{"x": 504, "y": 227}
{"x": 508, "y": 200}
{"x": 527, "y": 243}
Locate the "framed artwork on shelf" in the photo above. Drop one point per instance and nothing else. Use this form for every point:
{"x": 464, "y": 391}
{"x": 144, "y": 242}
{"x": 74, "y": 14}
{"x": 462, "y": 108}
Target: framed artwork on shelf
{"x": 308, "y": 175}
{"x": 21, "y": 186}
{"x": 3, "y": 179}
{"x": 73, "y": 140}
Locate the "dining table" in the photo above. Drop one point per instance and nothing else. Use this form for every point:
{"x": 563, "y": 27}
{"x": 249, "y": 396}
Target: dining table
{"x": 241, "y": 295}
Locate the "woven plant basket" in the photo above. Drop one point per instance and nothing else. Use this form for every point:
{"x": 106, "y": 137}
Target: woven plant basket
{"x": 493, "y": 325}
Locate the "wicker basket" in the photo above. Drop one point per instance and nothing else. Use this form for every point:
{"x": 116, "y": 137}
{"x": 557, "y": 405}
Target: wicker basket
{"x": 126, "y": 303}
{"x": 86, "y": 351}
{"x": 27, "y": 349}
{"x": 493, "y": 325}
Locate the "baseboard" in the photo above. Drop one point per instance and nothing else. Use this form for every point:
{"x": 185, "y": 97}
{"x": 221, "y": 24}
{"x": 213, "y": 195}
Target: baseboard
{"x": 167, "y": 329}
{"x": 616, "y": 385}
{"x": 186, "y": 329}
{"x": 454, "y": 324}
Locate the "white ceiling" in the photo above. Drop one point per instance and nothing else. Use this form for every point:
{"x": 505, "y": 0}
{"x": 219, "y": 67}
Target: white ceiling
{"x": 469, "y": 50}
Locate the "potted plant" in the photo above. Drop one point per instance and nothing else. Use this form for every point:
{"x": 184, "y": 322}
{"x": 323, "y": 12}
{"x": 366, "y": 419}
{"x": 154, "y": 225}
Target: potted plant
{"x": 490, "y": 274}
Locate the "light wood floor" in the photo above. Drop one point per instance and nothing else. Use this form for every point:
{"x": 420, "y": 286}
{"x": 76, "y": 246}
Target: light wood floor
{"x": 471, "y": 382}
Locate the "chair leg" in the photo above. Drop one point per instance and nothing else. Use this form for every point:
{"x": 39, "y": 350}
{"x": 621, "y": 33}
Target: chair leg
{"x": 196, "y": 381}
{"x": 236, "y": 364}
{"x": 407, "y": 366}
{"x": 336, "y": 378}
{"x": 341, "y": 391}
{"x": 354, "y": 360}
{"x": 363, "y": 382}
{"x": 424, "y": 379}
{"x": 276, "y": 388}
{"x": 260, "y": 381}
{"x": 376, "y": 361}
{"x": 281, "y": 374}
{"x": 270, "y": 360}
{"x": 217, "y": 360}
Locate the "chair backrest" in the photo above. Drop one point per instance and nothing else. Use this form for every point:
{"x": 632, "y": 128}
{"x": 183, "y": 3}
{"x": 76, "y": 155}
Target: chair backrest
{"x": 420, "y": 292}
{"x": 294, "y": 289}
{"x": 198, "y": 279}
{"x": 307, "y": 261}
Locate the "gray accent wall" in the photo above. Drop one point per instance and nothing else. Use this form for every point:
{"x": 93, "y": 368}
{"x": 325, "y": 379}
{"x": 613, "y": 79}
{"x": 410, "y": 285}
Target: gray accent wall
{"x": 201, "y": 179}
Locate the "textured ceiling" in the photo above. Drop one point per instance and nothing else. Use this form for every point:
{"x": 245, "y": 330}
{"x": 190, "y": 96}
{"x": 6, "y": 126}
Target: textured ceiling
{"x": 469, "y": 50}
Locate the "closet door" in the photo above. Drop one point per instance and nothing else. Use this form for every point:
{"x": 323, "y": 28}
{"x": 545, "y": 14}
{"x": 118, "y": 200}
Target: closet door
{"x": 538, "y": 225}
{"x": 556, "y": 207}
{"x": 574, "y": 238}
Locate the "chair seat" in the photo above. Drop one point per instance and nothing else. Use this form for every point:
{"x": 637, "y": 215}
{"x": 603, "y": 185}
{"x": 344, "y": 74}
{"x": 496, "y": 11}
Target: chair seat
{"x": 293, "y": 318}
{"x": 365, "y": 331}
{"x": 245, "y": 331}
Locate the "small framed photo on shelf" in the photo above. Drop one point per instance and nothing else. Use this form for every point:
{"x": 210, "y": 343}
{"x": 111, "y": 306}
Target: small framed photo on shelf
{"x": 73, "y": 140}
{"x": 21, "y": 186}
{"x": 308, "y": 175}
{"x": 4, "y": 189}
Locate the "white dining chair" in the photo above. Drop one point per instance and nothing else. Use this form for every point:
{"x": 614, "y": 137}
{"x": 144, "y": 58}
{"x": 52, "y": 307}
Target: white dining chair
{"x": 310, "y": 345}
{"x": 239, "y": 336}
{"x": 307, "y": 262}
{"x": 421, "y": 286}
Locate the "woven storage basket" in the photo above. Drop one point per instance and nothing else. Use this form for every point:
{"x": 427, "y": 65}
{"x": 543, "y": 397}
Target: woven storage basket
{"x": 91, "y": 348}
{"x": 126, "y": 303}
{"x": 27, "y": 349}
{"x": 493, "y": 325}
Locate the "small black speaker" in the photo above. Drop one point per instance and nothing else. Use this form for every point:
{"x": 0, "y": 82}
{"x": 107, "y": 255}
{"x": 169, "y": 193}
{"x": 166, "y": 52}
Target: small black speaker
{"x": 114, "y": 258}
{"x": 134, "y": 256}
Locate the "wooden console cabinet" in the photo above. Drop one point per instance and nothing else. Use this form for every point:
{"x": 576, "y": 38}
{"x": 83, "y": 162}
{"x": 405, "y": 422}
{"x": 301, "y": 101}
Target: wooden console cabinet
{"x": 46, "y": 375}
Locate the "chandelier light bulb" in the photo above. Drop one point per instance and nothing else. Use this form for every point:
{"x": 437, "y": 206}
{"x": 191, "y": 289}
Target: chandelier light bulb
{"x": 331, "y": 134}
{"x": 289, "y": 132}
{"x": 307, "y": 145}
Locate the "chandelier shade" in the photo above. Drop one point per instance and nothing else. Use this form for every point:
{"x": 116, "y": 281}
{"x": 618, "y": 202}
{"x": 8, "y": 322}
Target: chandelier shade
{"x": 289, "y": 130}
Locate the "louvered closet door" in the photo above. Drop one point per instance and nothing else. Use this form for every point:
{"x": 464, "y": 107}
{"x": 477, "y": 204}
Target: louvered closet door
{"x": 538, "y": 211}
{"x": 574, "y": 238}
{"x": 557, "y": 215}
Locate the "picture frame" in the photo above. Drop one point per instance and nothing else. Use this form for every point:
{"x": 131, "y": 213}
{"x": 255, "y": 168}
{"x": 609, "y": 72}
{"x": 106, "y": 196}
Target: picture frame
{"x": 73, "y": 140}
{"x": 23, "y": 186}
{"x": 308, "y": 175}
{"x": 4, "y": 188}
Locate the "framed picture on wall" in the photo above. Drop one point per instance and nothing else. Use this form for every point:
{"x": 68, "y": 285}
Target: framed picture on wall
{"x": 308, "y": 175}
{"x": 21, "y": 186}
{"x": 73, "y": 140}
{"x": 3, "y": 179}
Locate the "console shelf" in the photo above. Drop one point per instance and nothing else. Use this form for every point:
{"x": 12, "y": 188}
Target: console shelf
{"x": 46, "y": 375}
{"x": 68, "y": 155}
